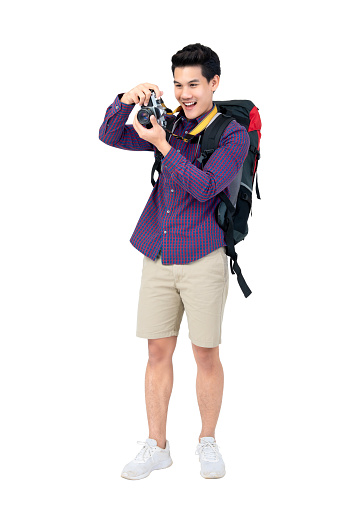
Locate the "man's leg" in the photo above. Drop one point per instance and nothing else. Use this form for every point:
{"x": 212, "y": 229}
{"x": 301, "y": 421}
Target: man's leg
{"x": 210, "y": 384}
{"x": 158, "y": 386}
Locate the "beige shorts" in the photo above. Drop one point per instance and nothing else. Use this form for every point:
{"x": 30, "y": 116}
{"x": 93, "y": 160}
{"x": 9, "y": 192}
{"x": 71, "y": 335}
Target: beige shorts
{"x": 200, "y": 288}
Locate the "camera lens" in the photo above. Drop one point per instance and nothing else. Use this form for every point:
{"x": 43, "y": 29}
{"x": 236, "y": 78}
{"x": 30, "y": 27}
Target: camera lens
{"x": 144, "y": 116}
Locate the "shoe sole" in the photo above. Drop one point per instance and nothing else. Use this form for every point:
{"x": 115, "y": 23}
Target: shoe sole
{"x": 162, "y": 465}
{"x": 213, "y": 476}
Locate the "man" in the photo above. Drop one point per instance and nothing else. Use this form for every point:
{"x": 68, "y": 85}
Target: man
{"x": 185, "y": 263}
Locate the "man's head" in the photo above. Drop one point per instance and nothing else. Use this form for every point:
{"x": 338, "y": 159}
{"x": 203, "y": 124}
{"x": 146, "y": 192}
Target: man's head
{"x": 196, "y": 72}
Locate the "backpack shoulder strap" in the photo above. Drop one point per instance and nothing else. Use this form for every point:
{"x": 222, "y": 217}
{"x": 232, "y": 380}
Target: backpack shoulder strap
{"x": 212, "y": 135}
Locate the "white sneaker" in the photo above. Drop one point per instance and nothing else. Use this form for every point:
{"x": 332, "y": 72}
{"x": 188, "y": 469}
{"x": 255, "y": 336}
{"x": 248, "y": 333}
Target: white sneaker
{"x": 149, "y": 458}
{"x": 212, "y": 465}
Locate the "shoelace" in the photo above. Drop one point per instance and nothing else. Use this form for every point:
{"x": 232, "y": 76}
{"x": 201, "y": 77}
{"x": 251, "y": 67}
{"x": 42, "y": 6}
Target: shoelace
{"x": 208, "y": 451}
{"x": 145, "y": 453}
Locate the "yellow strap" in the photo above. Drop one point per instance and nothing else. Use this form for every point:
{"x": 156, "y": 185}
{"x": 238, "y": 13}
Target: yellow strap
{"x": 179, "y": 108}
{"x": 202, "y": 125}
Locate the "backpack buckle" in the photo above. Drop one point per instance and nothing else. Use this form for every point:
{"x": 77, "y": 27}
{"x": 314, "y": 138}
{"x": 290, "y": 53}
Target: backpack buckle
{"x": 204, "y": 155}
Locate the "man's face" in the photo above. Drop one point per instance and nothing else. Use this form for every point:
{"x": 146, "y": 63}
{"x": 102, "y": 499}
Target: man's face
{"x": 191, "y": 86}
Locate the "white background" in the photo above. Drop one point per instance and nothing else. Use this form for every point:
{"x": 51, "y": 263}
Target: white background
{"x": 72, "y": 369}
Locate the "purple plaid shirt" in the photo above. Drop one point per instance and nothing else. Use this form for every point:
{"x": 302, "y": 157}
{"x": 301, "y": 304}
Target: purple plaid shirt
{"x": 179, "y": 216}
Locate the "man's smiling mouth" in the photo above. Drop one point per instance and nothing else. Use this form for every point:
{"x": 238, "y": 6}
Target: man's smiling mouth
{"x": 189, "y": 105}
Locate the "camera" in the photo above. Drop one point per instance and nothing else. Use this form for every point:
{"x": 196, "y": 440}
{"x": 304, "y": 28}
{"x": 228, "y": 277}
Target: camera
{"x": 154, "y": 107}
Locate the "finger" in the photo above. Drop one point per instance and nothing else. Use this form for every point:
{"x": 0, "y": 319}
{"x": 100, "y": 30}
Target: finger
{"x": 147, "y": 92}
{"x": 136, "y": 97}
{"x": 141, "y": 97}
{"x": 148, "y": 96}
{"x": 153, "y": 120}
{"x": 158, "y": 93}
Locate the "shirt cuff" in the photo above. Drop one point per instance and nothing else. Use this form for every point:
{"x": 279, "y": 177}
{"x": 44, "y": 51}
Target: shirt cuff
{"x": 121, "y": 106}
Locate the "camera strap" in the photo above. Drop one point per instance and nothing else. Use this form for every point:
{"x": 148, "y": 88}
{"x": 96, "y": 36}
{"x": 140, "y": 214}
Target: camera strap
{"x": 197, "y": 129}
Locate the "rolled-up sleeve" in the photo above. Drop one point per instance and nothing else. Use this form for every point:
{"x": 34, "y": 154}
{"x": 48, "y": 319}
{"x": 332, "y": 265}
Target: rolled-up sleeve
{"x": 221, "y": 168}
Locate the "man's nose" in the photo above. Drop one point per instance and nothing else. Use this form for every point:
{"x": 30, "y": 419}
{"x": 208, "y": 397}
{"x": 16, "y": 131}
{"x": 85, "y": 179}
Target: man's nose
{"x": 186, "y": 95}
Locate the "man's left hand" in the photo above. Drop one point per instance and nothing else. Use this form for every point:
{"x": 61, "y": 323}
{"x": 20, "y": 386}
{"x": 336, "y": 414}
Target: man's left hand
{"x": 156, "y": 135}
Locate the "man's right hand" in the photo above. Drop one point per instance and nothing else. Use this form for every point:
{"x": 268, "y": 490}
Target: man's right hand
{"x": 140, "y": 94}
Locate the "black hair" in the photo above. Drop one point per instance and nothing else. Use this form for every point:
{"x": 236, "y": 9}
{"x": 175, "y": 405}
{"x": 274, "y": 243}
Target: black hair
{"x": 197, "y": 54}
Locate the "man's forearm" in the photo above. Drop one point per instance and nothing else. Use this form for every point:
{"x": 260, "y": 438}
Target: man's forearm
{"x": 164, "y": 147}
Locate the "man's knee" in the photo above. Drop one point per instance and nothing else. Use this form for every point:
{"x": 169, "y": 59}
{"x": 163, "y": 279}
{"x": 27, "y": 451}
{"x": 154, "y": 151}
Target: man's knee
{"x": 205, "y": 357}
{"x": 161, "y": 350}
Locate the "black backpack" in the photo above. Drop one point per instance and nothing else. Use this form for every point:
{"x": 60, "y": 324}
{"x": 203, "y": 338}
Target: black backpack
{"x": 231, "y": 214}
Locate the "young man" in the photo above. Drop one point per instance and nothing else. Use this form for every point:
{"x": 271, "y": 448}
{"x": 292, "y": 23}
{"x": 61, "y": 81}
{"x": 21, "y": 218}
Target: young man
{"x": 185, "y": 263}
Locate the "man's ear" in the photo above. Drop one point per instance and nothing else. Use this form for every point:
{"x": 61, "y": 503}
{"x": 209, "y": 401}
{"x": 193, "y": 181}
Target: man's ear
{"x": 216, "y": 80}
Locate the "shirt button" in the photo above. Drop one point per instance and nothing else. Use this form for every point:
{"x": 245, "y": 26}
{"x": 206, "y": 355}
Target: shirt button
{"x": 116, "y": 107}
{"x": 168, "y": 211}
{"x": 178, "y": 150}
{"x": 165, "y": 232}
{"x": 172, "y": 190}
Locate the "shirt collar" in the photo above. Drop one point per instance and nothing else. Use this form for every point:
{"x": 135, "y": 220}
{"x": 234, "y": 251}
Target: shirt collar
{"x": 199, "y": 118}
